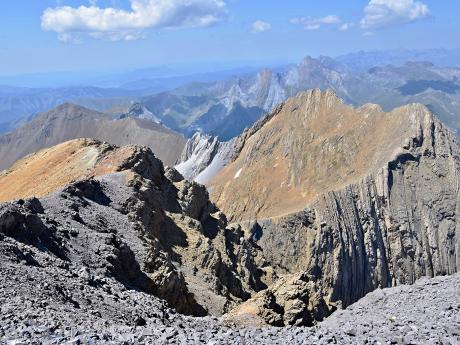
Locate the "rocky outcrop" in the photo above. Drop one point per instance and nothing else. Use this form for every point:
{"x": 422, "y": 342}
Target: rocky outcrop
{"x": 192, "y": 244}
{"x": 117, "y": 212}
{"x": 392, "y": 226}
{"x": 21, "y": 222}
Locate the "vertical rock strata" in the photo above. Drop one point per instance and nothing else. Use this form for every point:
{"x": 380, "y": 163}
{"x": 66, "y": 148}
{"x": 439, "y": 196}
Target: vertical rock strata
{"x": 388, "y": 227}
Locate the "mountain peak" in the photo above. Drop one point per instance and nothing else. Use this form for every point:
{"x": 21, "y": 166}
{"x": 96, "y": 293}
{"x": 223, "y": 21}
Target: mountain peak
{"x": 72, "y": 108}
{"x": 67, "y": 162}
{"x": 311, "y": 144}
{"x": 308, "y": 60}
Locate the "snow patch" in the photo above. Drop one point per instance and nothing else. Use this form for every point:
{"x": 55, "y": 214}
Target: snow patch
{"x": 204, "y": 156}
{"x": 237, "y": 174}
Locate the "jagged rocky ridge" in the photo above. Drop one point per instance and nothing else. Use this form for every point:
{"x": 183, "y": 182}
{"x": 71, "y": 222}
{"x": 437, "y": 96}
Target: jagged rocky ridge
{"x": 386, "y": 220}
{"x": 148, "y": 228}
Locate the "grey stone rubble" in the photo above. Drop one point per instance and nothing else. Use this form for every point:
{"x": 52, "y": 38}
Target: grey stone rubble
{"x": 55, "y": 288}
{"x": 40, "y": 307}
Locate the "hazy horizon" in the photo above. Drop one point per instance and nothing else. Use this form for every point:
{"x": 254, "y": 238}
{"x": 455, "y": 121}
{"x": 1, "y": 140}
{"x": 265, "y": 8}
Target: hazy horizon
{"x": 118, "y": 35}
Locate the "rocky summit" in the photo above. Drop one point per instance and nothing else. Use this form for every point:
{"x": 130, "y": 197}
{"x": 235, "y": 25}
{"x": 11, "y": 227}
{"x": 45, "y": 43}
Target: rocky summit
{"x": 314, "y": 143}
{"x": 341, "y": 201}
{"x": 317, "y": 209}
{"x": 100, "y": 201}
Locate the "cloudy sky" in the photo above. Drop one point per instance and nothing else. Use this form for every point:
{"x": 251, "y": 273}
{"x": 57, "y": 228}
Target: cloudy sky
{"x": 72, "y": 35}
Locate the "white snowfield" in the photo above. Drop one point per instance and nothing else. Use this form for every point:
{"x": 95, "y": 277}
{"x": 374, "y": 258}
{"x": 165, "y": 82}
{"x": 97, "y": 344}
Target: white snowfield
{"x": 203, "y": 157}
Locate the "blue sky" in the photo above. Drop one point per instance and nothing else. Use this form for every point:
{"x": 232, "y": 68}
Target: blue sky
{"x": 73, "y": 35}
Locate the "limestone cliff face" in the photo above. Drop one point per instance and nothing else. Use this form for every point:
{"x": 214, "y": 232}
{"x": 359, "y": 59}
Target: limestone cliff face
{"x": 198, "y": 153}
{"x": 394, "y": 225}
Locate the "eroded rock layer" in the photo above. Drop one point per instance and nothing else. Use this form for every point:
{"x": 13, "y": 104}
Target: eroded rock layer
{"x": 367, "y": 200}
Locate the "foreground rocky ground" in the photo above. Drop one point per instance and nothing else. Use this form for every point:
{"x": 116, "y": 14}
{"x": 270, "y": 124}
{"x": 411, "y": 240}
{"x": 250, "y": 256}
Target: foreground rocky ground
{"x": 67, "y": 308}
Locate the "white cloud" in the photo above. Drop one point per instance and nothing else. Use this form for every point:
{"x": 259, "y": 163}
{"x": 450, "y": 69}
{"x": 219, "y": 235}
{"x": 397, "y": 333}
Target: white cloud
{"x": 260, "y": 26}
{"x": 380, "y": 13}
{"x": 346, "y": 26}
{"x": 316, "y": 23}
{"x": 118, "y": 24}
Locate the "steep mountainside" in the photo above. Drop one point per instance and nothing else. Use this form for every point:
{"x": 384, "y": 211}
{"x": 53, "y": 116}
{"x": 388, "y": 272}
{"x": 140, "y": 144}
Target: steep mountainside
{"x": 357, "y": 198}
{"x": 70, "y": 121}
{"x": 312, "y": 144}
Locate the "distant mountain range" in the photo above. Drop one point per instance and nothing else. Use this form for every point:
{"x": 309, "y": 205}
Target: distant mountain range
{"x": 225, "y": 108}
{"x": 364, "y": 60}
{"x": 113, "y": 94}
{"x": 70, "y": 121}
{"x": 18, "y": 104}
{"x": 226, "y": 96}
